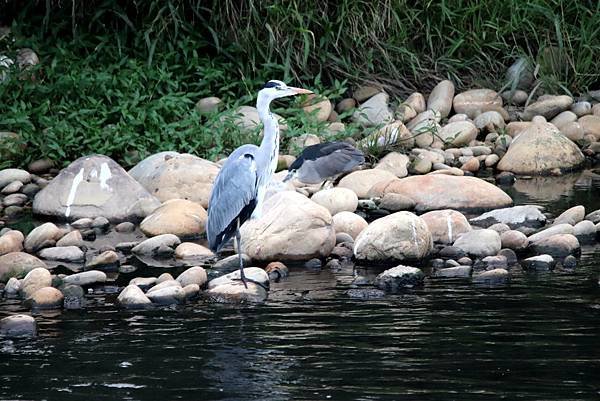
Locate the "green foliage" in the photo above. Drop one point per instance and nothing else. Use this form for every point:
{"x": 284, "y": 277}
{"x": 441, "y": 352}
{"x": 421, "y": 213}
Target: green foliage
{"x": 122, "y": 78}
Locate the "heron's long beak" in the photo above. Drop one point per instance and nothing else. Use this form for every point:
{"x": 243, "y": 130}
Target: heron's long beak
{"x": 300, "y": 91}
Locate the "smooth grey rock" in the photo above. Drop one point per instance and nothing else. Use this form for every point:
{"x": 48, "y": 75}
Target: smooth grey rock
{"x": 86, "y": 278}
{"x": 164, "y": 284}
{"x": 167, "y": 296}
{"x": 125, "y": 227}
{"x": 453, "y": 272}
{"x": 539, "y": 263}
{"x": 585, "y": 228}
{"x": 62, "y": 254}
{"x": 13, "y": 174}
{"x": 514, "y": 217}
{"x": 492, "y": 277}
{"x": 150, "y": 246}
{"x": 558, "y": 245}
{"x": 18, "y": 326}
{"x": 133, "y": 297}
{"x": 479, "y": 243}
{"x": 193, "y": 275}
{"x": 42, "y": 236}
{"x": 11, "y": 290}
{"x": 143, "y": 282}
{"x": 18, "y": 264}
{"x": 91, "y": 186}
{"x": 515, "y": 240}
{"x": 231, "y": 263}
{"x": 235, "y": 292}
{"x": 571, "y": 216}
{"x": 34, "y": 280}
{"x": 72, "y": 238}
{"x": 254, "y": 273}
{"x": 399, "y": 277}
{"x": 550, "y": 231}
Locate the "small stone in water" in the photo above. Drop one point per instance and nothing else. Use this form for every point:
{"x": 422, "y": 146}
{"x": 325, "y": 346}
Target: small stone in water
{"x": 313, "y": 264}
{"x": 510, "y": 255}
{"x": 452, "y": 252}
{"x": 334, "y": 265}
{"x": 570, "y": 262}
{"x": 437, "y": 263}
{"x": 505, "y": 178}
{"x": 365, "y": 293}
{"x": 100, "y": 223}
{"x": 276, "y": 271}
{"x": 88, "y": 235}
{"x": 360, "y": 281}
{"x": 125, "y": 227}
{"x": 465, "y": 261}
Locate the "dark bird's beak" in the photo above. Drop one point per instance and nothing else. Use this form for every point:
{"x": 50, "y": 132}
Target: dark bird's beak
{"x": 289, "y": 176}
{"x": 300, "y": 91}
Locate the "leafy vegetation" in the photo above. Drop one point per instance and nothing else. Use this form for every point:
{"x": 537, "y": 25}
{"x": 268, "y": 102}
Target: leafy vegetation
{"x": 122, "y": 78}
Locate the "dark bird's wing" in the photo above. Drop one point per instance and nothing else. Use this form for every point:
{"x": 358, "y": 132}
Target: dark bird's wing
{"x": 328, "y": 159}
{"x": 233, "y": 196}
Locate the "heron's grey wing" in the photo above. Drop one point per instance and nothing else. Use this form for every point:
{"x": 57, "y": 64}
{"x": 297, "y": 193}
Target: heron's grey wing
{"x": 233, "y": 195}
{"x": 339, "y": 161}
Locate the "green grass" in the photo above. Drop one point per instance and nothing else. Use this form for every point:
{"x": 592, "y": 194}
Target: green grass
{"x": 122, "y": 78}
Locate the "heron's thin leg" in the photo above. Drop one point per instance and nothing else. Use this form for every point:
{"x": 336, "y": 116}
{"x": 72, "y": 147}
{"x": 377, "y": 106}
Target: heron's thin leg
{"x": 239, "y": 251}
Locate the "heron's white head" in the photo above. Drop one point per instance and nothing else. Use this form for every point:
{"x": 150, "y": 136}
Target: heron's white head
{"x": 275, "y": 89}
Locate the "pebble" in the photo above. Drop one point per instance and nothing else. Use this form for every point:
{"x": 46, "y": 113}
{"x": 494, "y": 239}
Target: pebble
{"x": 276, "y": 271}
{"x": 313, "y": 263}
{"x": 569, "y": 262}
{"x": 100, "y": 223}
{"x": 167, "y": 295}
{"x": 85, "y": 222}
{"x": 125, "y": 227}
{"x": 11, "y": 290}
{"x": 11, "y": 188}
{"x": 492, "y": 277}
{"x": 15, "y": 200}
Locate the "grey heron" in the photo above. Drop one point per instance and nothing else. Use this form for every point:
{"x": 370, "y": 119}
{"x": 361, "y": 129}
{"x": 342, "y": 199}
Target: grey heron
{"x": 239, "y": 189}
{"x": 319, "y": 162}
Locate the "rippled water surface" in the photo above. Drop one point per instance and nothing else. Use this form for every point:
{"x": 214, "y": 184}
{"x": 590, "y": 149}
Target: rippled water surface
{"x": 535, "y": 339}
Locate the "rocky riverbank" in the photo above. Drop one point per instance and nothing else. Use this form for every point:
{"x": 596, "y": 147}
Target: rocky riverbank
{"x": 434, "y": 207}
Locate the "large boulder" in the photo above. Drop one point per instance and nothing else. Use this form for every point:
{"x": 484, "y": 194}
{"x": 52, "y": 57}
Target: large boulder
{"x": 434, "y": 192}
{"x": 181, "y": 217}
{"x": 182, "y": 176}
{"x": 514, "y": 217}
{"x": 292, "y": 227}
{"x": 93, "y": 186}
{"x": 18, "y": 264}
{"x": 446, "y": 225}
{"x": 399, "y": 236}
{"x": 541, "y": 149}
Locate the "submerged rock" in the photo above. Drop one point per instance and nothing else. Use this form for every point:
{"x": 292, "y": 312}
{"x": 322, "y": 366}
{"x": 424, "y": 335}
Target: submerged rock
{"x": 399, "y": 278}
{"x": 492, "y": 277}
{"x": 453, "y": 272}
{"x": 514, "y": 217}
{"x": 167, "y": 295}
{"x": 18, "y": 326}
{"x": 133, "y": 297}
{"x": 34, "y": 280}
{"x": 47, "y": 298}
{"x": 235, "y": 292}
{"x": 539, "y": 263}
{"x": 91, "y": 186}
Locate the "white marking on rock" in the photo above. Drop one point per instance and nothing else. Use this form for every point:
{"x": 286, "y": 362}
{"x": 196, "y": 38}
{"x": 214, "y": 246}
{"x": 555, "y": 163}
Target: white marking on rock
{"x": 105, "y": 175}
{"x": 71, "y": 198}
{"x": 449, "y": 221}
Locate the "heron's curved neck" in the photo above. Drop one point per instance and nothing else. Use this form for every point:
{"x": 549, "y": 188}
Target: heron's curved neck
{"x": 270, "y": 142}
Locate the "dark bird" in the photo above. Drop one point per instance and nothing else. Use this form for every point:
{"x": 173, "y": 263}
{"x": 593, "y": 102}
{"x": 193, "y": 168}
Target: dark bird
{"x": 239, "y": 189}
{"x": 319, "y": 162}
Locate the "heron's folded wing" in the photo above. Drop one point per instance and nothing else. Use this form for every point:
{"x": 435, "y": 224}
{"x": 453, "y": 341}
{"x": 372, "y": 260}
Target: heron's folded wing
{"x": 234, "y": 190}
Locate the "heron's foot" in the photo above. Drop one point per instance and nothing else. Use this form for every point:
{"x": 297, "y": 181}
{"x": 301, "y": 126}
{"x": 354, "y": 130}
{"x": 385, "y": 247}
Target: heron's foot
{"x": 246, "y": 280}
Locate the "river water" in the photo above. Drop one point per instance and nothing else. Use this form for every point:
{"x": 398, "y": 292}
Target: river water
{"x": 534, "y": 339}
